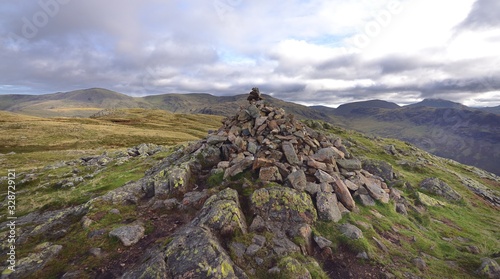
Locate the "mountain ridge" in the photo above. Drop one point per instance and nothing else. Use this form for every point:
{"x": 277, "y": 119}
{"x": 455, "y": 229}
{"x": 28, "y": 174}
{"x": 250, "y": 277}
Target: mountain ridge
{"x": 443, "y": 127}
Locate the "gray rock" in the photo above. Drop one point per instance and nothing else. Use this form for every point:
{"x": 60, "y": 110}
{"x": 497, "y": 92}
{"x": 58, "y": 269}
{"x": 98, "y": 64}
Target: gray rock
{"x": 208, "y": 156}
{"x": 259, "y": 240}
{"x": 258, "y": 224}
{"x": 363, "y": 255}
{"x": 351, "y": 231}
{"x": 312, "y": 188}
{"x": 114, "y": 211}
{"x": 479, "y": 189}
{"x": 419, "y": 263}
{"x": 96, "y": 252}
{"x": 252, "y": 249}
{"x": 440, "y": 188}
{"x": 215, "y": 139}
{"x": 327, "y": 206}
{"x": 171, "y": 204}
{"x": 253, "y": 111}
{"x": 343, "y": 194}
{"x": 324, "y": 177}
{"x": 194, "y": 199}
{"x": 379, "y": 168}
{"x": 489, "y": 269}
{"x": 270, "y": 174}
{"x": 322, "y": 242}
{"x": 128, "y": 235}
{"x": 351, "y": 185}
{"x": 297, "y": 180}
{"x": 349, "y": 164}
{"x": 376, "y": 191}
{"x": 328, "y": 155}
{"x": 401, "y": 208}
{"x": 72, "y": 275}
{"x": 239, "y": 167}
{"x": 238, "y": 249}
{"x": 284, "y": 246}
{"x": 252, "y": 147}
{"x": 290, "y": 153}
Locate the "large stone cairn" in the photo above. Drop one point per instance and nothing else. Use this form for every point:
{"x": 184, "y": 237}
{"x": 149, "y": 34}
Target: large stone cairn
{"x": 281, "y": 149}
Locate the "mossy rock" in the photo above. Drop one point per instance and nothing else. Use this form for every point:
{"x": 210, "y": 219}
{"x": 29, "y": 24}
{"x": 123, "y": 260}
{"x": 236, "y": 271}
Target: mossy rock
{"x": 285, "y": 205}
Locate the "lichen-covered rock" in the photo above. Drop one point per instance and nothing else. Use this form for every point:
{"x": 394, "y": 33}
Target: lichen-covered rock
{"x": 440, "y": 188}
{"x": 42, "y": 254}
{"x": 151, "y": 265}
{"x": 128, "y": 235}
{"x": 293, "y": 269}
{"x": 49, "y": 225}
{"x": 222, "y": 213}
{"x": 489, "y": 269}
{"x": 284, "y": 205}
{"x": 196, "y": 253}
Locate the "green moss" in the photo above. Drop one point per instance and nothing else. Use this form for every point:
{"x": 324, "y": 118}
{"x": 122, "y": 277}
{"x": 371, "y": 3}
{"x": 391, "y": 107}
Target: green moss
{"x": 216, "y": 179}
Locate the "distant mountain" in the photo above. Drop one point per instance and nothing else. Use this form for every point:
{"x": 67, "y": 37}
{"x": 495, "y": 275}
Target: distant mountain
{"x": 495, "y": 110}
{"x": 75, "y": 103}
{"x": 364, "y": 107}
{"x": 462, "y": 134}
{"x": 445, "y": 128}
{"x": 438, "y": 103}
{"x": 224, "y": 105}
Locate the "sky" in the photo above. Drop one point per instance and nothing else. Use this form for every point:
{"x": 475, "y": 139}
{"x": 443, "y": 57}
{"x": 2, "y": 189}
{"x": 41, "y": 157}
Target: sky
{"x": 312, "y": 52}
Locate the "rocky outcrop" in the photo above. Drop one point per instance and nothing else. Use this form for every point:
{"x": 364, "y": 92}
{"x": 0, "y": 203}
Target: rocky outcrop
{"x": 440, "y": 188}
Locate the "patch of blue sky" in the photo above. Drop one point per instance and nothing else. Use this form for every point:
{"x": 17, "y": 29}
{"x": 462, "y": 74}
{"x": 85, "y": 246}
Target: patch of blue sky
{"x": 233, "y": 58}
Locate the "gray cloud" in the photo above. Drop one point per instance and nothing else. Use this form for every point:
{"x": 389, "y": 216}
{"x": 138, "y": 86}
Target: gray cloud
{"x": 142, "y": 47}
{"x": 484, "y": 14}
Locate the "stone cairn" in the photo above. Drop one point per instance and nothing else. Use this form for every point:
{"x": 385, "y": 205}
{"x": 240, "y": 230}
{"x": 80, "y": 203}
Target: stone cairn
{"x": 281, "y": 149}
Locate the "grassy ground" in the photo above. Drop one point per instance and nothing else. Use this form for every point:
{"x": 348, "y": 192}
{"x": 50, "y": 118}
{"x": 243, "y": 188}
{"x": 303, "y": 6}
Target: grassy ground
{"x": 39, "y": 141}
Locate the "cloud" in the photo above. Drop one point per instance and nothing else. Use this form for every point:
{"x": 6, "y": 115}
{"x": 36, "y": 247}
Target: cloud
{"x": 304, "y": 51}
{"x": 483, "y": 15}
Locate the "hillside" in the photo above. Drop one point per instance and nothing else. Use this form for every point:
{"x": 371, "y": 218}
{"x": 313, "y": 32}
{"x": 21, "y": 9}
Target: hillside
{"x": 263, "y": 196}
{"x": 467, "y": 136}
{"x": 441, "y": 127}
{"x": 79, "y": 103}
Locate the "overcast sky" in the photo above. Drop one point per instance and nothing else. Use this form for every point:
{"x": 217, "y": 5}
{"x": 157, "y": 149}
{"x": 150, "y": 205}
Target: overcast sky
{"x": 317, "y": 52}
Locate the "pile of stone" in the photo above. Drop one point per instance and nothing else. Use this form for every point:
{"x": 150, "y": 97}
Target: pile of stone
{"x": 278, "y": 148}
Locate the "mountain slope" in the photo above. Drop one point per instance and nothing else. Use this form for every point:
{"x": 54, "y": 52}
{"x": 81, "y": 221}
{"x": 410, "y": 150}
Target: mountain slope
{"x": 75, "y": 103}
{"x": 364, "y": 107}
{"x": 468, "y": 136}
{"x": 438, "y": 103}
